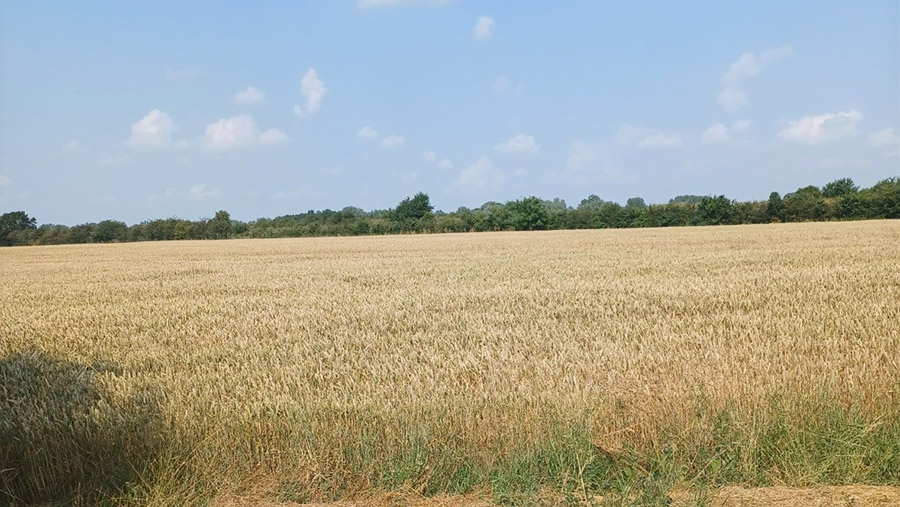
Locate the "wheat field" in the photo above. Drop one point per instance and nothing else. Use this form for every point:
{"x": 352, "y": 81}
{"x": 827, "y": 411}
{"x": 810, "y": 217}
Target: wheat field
{"x": 512, "y": 364}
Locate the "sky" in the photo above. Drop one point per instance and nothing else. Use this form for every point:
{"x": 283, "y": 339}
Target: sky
{"x": 143, "y": 110}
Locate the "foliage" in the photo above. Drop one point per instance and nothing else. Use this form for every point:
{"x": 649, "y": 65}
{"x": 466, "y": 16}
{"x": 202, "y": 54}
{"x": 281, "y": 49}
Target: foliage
{"x": 838, "y": 200}
{"x": 528, "y": 214}
{"x": 13, "y": 222}
{"x": 686, "y": 199}
{"x": 840, "y": 188}
{"x": 636, "y": 202}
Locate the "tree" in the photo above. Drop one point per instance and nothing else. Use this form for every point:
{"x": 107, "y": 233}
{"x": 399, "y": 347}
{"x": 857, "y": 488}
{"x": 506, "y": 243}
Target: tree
{"x": 775, "y": 207}
{"x": 12, "y": 222}
{"x": 411, "y": 210}
{"x": 636, "y": 203}
{"x": 591, "y": 202}
{"x": 529, "y": 214}
{"x": 686, "y": 199}
{"x": 220, "y": 225}
{"x": 110, "y": 230}
{"x": 716, "y": 210}
{"x": 840, "y": 188}
{"x": 804, "y": 204}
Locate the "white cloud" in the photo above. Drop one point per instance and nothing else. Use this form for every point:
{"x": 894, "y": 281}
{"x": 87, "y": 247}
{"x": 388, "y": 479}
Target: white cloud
{"x": 249, "y": 96}
{"x": 716, "y": 134}
{"x": 367, "y": 132}
{"x": 313, "y": 90}
{"x": 483, "y": 28}
{"x": 884, "y": 137}
{"x": 429, "y": 156}
{"x": 587, "y": 163}
{"x": 272, "y": 137}
{"x": 202, "y": 192}
{"x": 5, "y": 181}
{"x": 720, "y": 133}
{"x": 520, "y": 172}
{"x": 747, "y": 66}
{"x": 646, "y": 138}
{"x": 732, "y": 99}
{"x": 153, "y": 131}
{"x": 239, "y": 132}
{"x": 823, "y": 128}
{"x": 445, "y": 164}
{"x": 182, "y": 74}
{"x": 521, "y": 143}
{"x": 393, "y": 141}
{"x": 480, "y": 176}
{"x": 741, "y": 126}
{"x": 167, "y": 195}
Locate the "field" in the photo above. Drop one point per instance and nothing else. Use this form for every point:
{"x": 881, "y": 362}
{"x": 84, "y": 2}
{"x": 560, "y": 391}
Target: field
{"x": 516, "y": 367}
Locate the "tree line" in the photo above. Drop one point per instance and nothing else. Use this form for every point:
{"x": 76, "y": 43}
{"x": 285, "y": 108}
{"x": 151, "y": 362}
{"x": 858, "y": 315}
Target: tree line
{"x": 841, "y": 199}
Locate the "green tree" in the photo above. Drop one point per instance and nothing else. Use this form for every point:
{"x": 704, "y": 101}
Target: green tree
{"x": 528, "y": 214}
{"x": 220, "y": 225}
{"x": 411, "y": 210}
{"x": 804, "y": 204}
{"x": 12, "y": 222}
{"x": 636, "y": 203}
{"x": 774, "y": 207}
{"x": 686, "y": 199}
{"x": 716, "y": 210}
{"x": 110, "y": 230}
{"x": 591, "y": 202}
{"x": 840, "y": 188}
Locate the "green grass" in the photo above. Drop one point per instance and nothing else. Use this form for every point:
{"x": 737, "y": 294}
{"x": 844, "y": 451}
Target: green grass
{"x": 64, "y": 440}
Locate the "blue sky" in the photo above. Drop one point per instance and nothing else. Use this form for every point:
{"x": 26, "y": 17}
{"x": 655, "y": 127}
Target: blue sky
{"x": 134, "y": 110}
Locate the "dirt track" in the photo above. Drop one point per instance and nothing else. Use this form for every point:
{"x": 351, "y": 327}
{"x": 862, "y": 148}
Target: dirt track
{"x": 732, "y": 496}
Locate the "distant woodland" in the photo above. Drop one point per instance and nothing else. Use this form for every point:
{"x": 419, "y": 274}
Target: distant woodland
{"x": 841, "y": 199}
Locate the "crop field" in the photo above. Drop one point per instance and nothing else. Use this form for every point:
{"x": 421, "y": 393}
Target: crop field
{"x": 520, "y": 367}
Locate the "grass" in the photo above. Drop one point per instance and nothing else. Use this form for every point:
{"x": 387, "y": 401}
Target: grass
{"x": 533, "y": 367}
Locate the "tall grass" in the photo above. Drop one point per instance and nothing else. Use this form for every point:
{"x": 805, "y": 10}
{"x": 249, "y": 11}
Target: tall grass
{"x": 577, "y": 363}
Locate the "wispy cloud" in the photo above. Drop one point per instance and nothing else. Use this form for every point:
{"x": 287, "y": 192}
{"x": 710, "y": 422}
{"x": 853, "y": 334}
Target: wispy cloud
{"x": 480, "y": 176}
{"x": 247, "y": 97}
{"x": 393, "y": 141}
{"x": 823, "y": 128}
{"x": 646, "y": 138}
{"x": 731, "y": 95}
{"x": 720, "y": 133}
{"x": 367, "y": 132}
{"x": 152, "y": 132}
{"x": 203, "y": 192}
{"x": 483, "y": 28}
{"x": 239, "y": 132}
{"x": 313, "y": 90}
{"x": 519, "y": 144}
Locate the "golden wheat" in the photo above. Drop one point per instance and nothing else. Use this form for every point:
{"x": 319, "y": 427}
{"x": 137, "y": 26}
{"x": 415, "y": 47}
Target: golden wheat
{"x": 284, "y": 354}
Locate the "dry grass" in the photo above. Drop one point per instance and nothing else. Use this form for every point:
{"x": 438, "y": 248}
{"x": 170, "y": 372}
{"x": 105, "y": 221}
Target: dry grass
{"x": 345, "y": 365}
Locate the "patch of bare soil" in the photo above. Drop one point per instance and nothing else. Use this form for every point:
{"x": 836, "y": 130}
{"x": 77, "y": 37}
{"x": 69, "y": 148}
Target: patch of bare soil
{"x": 819, "y": 496}
{"x": 729, "y": 496}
